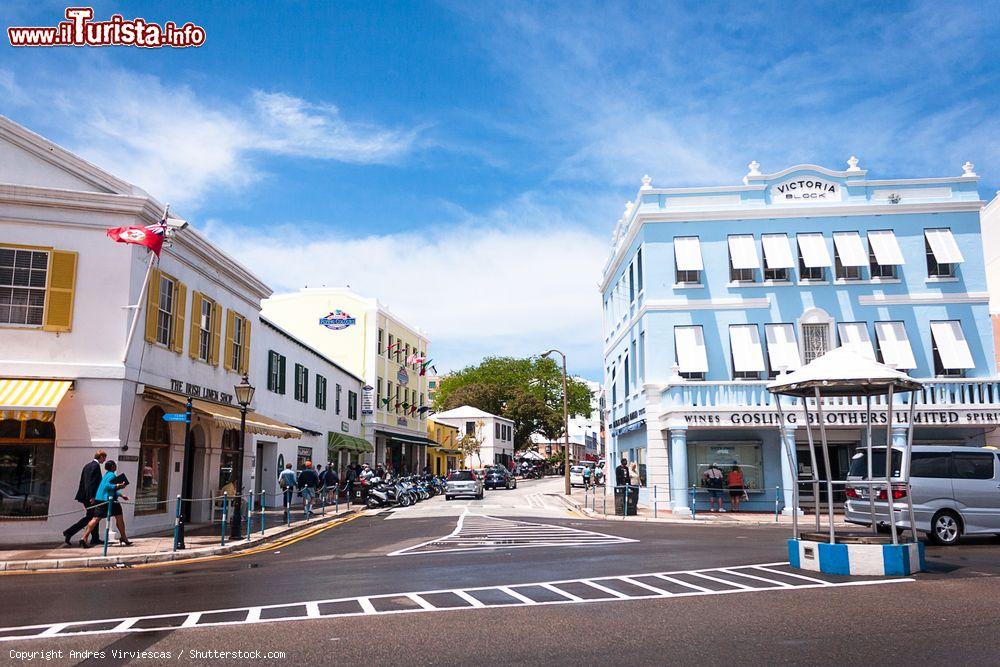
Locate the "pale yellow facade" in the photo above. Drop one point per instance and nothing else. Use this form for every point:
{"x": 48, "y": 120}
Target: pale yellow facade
{"x": 363, "y": 336}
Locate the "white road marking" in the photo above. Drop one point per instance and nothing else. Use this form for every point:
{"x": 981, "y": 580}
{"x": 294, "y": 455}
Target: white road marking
{"x": 481, "y": 532}
{"x": 424, "y": 605}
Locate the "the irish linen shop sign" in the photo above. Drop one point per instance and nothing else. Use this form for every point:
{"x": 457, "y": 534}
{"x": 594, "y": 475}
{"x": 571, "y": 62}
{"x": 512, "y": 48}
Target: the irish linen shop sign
{"x": 805, "y": 189}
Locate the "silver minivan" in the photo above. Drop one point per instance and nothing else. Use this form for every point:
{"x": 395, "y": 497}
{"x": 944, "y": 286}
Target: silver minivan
{"x": 956, "y": 491}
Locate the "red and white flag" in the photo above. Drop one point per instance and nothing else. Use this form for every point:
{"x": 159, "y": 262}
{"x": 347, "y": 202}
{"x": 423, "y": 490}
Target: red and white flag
{"x": 151, "y": 236}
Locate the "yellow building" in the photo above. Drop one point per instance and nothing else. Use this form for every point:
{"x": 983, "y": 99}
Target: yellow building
{"x": 363, "y": 336}
{"x": 443, "y": 455}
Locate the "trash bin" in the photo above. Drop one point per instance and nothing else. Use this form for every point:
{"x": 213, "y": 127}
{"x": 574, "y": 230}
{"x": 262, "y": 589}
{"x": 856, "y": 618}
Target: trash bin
{"x": 359, "y": 494}
{"x": 620, "y": 500}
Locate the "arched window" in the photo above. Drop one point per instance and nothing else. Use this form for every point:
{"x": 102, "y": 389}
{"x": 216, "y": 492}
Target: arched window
{"x": 154, "y": 459}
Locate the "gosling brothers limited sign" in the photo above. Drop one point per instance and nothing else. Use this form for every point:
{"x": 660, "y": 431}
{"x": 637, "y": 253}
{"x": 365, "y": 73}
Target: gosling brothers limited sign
{"x": 846, "y": 418}
{"x": 337, "y": 320}
{"x": 805, "y": 189}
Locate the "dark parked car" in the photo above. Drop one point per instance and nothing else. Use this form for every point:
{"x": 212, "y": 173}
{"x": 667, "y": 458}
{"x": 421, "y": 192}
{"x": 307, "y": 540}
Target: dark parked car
{"x": 499, "y": 477}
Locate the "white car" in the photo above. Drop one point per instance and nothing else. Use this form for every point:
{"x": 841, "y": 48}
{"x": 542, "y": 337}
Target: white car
{"x": 576, "y": 476}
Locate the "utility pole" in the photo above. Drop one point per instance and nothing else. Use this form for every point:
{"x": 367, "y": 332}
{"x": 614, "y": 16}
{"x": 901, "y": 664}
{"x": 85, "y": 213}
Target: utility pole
{"x": 568, "y": 489}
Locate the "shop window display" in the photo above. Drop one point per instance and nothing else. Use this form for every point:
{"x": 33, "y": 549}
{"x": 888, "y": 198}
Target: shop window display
{"x": 26, "y": 452}
{"x": 746, "y": 456}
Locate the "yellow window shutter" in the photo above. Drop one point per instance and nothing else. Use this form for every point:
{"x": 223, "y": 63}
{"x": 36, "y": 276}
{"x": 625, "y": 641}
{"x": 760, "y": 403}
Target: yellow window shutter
{"x": 59, "y": 295}
{"x": 216, "y": 328}
{"x": 227, "y": 350}
{"x": 194, "y": 334}
{"x": 245, "y": 361}
{"x": 180, "y": 310}
{"x": 152, "y": 300}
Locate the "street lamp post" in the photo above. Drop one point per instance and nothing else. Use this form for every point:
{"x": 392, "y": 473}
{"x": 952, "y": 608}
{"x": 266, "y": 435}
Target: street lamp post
{"x": 244, "y": 395}
{"x": 567, "y": 490}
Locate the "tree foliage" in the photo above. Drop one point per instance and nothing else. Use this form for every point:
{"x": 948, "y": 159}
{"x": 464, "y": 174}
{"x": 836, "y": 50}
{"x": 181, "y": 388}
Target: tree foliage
{"x": 527, "y": 391}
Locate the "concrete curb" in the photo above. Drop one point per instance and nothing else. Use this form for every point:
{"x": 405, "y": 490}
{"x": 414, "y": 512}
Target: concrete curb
{"x": 167, "y": 556}
{"x": 684, "y": 520}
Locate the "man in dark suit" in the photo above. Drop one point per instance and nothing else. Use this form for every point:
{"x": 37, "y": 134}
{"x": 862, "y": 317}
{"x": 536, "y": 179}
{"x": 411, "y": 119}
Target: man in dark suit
{"x": 90, "y": 479}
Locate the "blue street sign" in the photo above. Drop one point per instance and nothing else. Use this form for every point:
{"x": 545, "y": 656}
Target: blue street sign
{"x": 175, "y": 417}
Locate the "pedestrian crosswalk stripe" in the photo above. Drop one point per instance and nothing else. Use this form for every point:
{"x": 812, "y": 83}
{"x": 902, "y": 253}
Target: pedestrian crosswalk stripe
{"x": 481, "y": 532}
{"x": 607, "y": 589}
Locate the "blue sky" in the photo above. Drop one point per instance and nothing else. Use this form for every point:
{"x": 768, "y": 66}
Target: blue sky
{"x": 465, "y": 162}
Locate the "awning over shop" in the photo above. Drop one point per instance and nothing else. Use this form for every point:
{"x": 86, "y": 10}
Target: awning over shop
{"x": 687, "y": 253}
{"x": 31, "y": 399}
{"x": 408, "y": 439}
{"x": 350, "y": 443}
{"x": 228, "y": 416}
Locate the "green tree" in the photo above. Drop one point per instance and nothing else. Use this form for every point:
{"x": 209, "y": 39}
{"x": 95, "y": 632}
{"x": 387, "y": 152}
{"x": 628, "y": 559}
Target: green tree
{"x": 527, "y": 391}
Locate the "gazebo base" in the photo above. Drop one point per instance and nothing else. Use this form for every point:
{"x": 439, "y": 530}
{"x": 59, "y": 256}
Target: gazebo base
{"x": 868, "y": 557}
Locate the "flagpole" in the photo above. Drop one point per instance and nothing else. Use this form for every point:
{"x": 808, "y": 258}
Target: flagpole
{"x": 137, "y": 308}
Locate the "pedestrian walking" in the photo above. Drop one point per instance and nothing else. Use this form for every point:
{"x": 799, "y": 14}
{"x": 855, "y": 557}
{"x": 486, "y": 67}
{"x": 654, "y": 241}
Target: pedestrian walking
{"x": 308, "y": 483}
{"x": 586, "y": 476}
{"x": 714, "y": 482}
{"x": 331, "y": 481}
{"x": 286, "y": 482}
{"x": 621, "y": 473}
{"x": 86, "y": 494}
{"x": 633, "y": 475}
{"x": 108, "y": 492}
{"x": 735, "y": 482}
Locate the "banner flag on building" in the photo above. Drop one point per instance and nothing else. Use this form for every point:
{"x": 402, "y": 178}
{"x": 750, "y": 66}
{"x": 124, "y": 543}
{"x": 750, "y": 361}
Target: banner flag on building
{"x": 150, "y": 236}
{"x": 385, "y": 401}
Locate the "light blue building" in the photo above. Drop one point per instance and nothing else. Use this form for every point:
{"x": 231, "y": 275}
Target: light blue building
{"x": 711, "y": 291}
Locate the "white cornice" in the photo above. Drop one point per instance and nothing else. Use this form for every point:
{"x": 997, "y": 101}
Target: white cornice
{"x": 211, "y": 262}
{"x": 25, "y": 195}
{"x": 766, "y": 213}
{"x": 858, "y": 174}
{"x": 924, "y": 298}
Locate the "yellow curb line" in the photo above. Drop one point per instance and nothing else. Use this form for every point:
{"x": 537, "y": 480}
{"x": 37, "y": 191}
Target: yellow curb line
{"x": 268, "y": 546}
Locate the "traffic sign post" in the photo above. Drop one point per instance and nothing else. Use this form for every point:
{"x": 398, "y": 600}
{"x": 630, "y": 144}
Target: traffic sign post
{"x": 176, "y": 417}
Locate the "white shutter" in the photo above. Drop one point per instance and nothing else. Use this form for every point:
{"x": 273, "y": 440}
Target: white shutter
{"x": 782, "y": 348}
{"x": 895, "y": 345}
{"x": 743, "y": 252}
{"x": 777, "y": 251}
{"x": 854, "y": 336}
{"x": 687, "y": 253}
{"x": 744, "y": 340}
{"x": 850, "y": 249}
{"x": 952, "y": 347}
{"x": 691, "y": 355}
{"x": 814, "y": 251}
{"x": 944, "y": 246}
{"x": 885, "y": 247}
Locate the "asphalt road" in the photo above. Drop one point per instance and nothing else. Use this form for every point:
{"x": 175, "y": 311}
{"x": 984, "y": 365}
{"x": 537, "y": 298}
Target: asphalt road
{"x": 948, "y": 614}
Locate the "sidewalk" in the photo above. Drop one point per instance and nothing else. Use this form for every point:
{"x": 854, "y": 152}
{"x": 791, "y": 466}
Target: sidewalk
{"x": 201, "y": 541}
{"x": 597, "y": 505}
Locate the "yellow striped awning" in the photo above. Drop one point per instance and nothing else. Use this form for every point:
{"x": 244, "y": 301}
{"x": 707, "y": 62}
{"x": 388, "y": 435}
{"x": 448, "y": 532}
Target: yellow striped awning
{"x": 228, "y": 416}
{"x": 31, "y": 399}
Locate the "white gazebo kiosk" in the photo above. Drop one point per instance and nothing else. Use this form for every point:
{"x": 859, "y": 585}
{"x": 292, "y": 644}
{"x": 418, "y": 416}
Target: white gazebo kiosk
{"x": 843, "y": 377}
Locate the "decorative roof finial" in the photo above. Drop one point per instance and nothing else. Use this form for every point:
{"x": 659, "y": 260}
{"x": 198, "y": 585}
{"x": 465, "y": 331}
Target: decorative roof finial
{"x": 754, "y": 168}
{"x": 629, "y": 206}
{"x": 646, "y": 180}
{"x": 852, "y": 164}
{"x": 967, "y": 168}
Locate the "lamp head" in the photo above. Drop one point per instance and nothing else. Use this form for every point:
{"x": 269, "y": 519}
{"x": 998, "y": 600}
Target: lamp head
{"x": 244, "y": 392}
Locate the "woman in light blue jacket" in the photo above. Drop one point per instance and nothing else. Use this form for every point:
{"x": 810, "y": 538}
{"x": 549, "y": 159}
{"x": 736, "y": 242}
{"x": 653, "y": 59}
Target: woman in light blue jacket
{"x": 107, "y": 492}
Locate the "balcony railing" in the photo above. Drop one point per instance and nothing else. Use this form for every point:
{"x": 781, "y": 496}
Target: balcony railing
{"x": 750, "y": 394}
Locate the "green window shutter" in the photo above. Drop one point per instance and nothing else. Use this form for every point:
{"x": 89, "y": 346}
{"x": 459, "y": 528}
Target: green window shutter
{"x": 281, "y": 374}
{"x": 271, "y": 384}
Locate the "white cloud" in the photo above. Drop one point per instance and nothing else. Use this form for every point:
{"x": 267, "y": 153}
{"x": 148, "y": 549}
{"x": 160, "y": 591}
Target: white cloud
{"x": 180, "y": 145}
{"x": 475, "y": 290}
